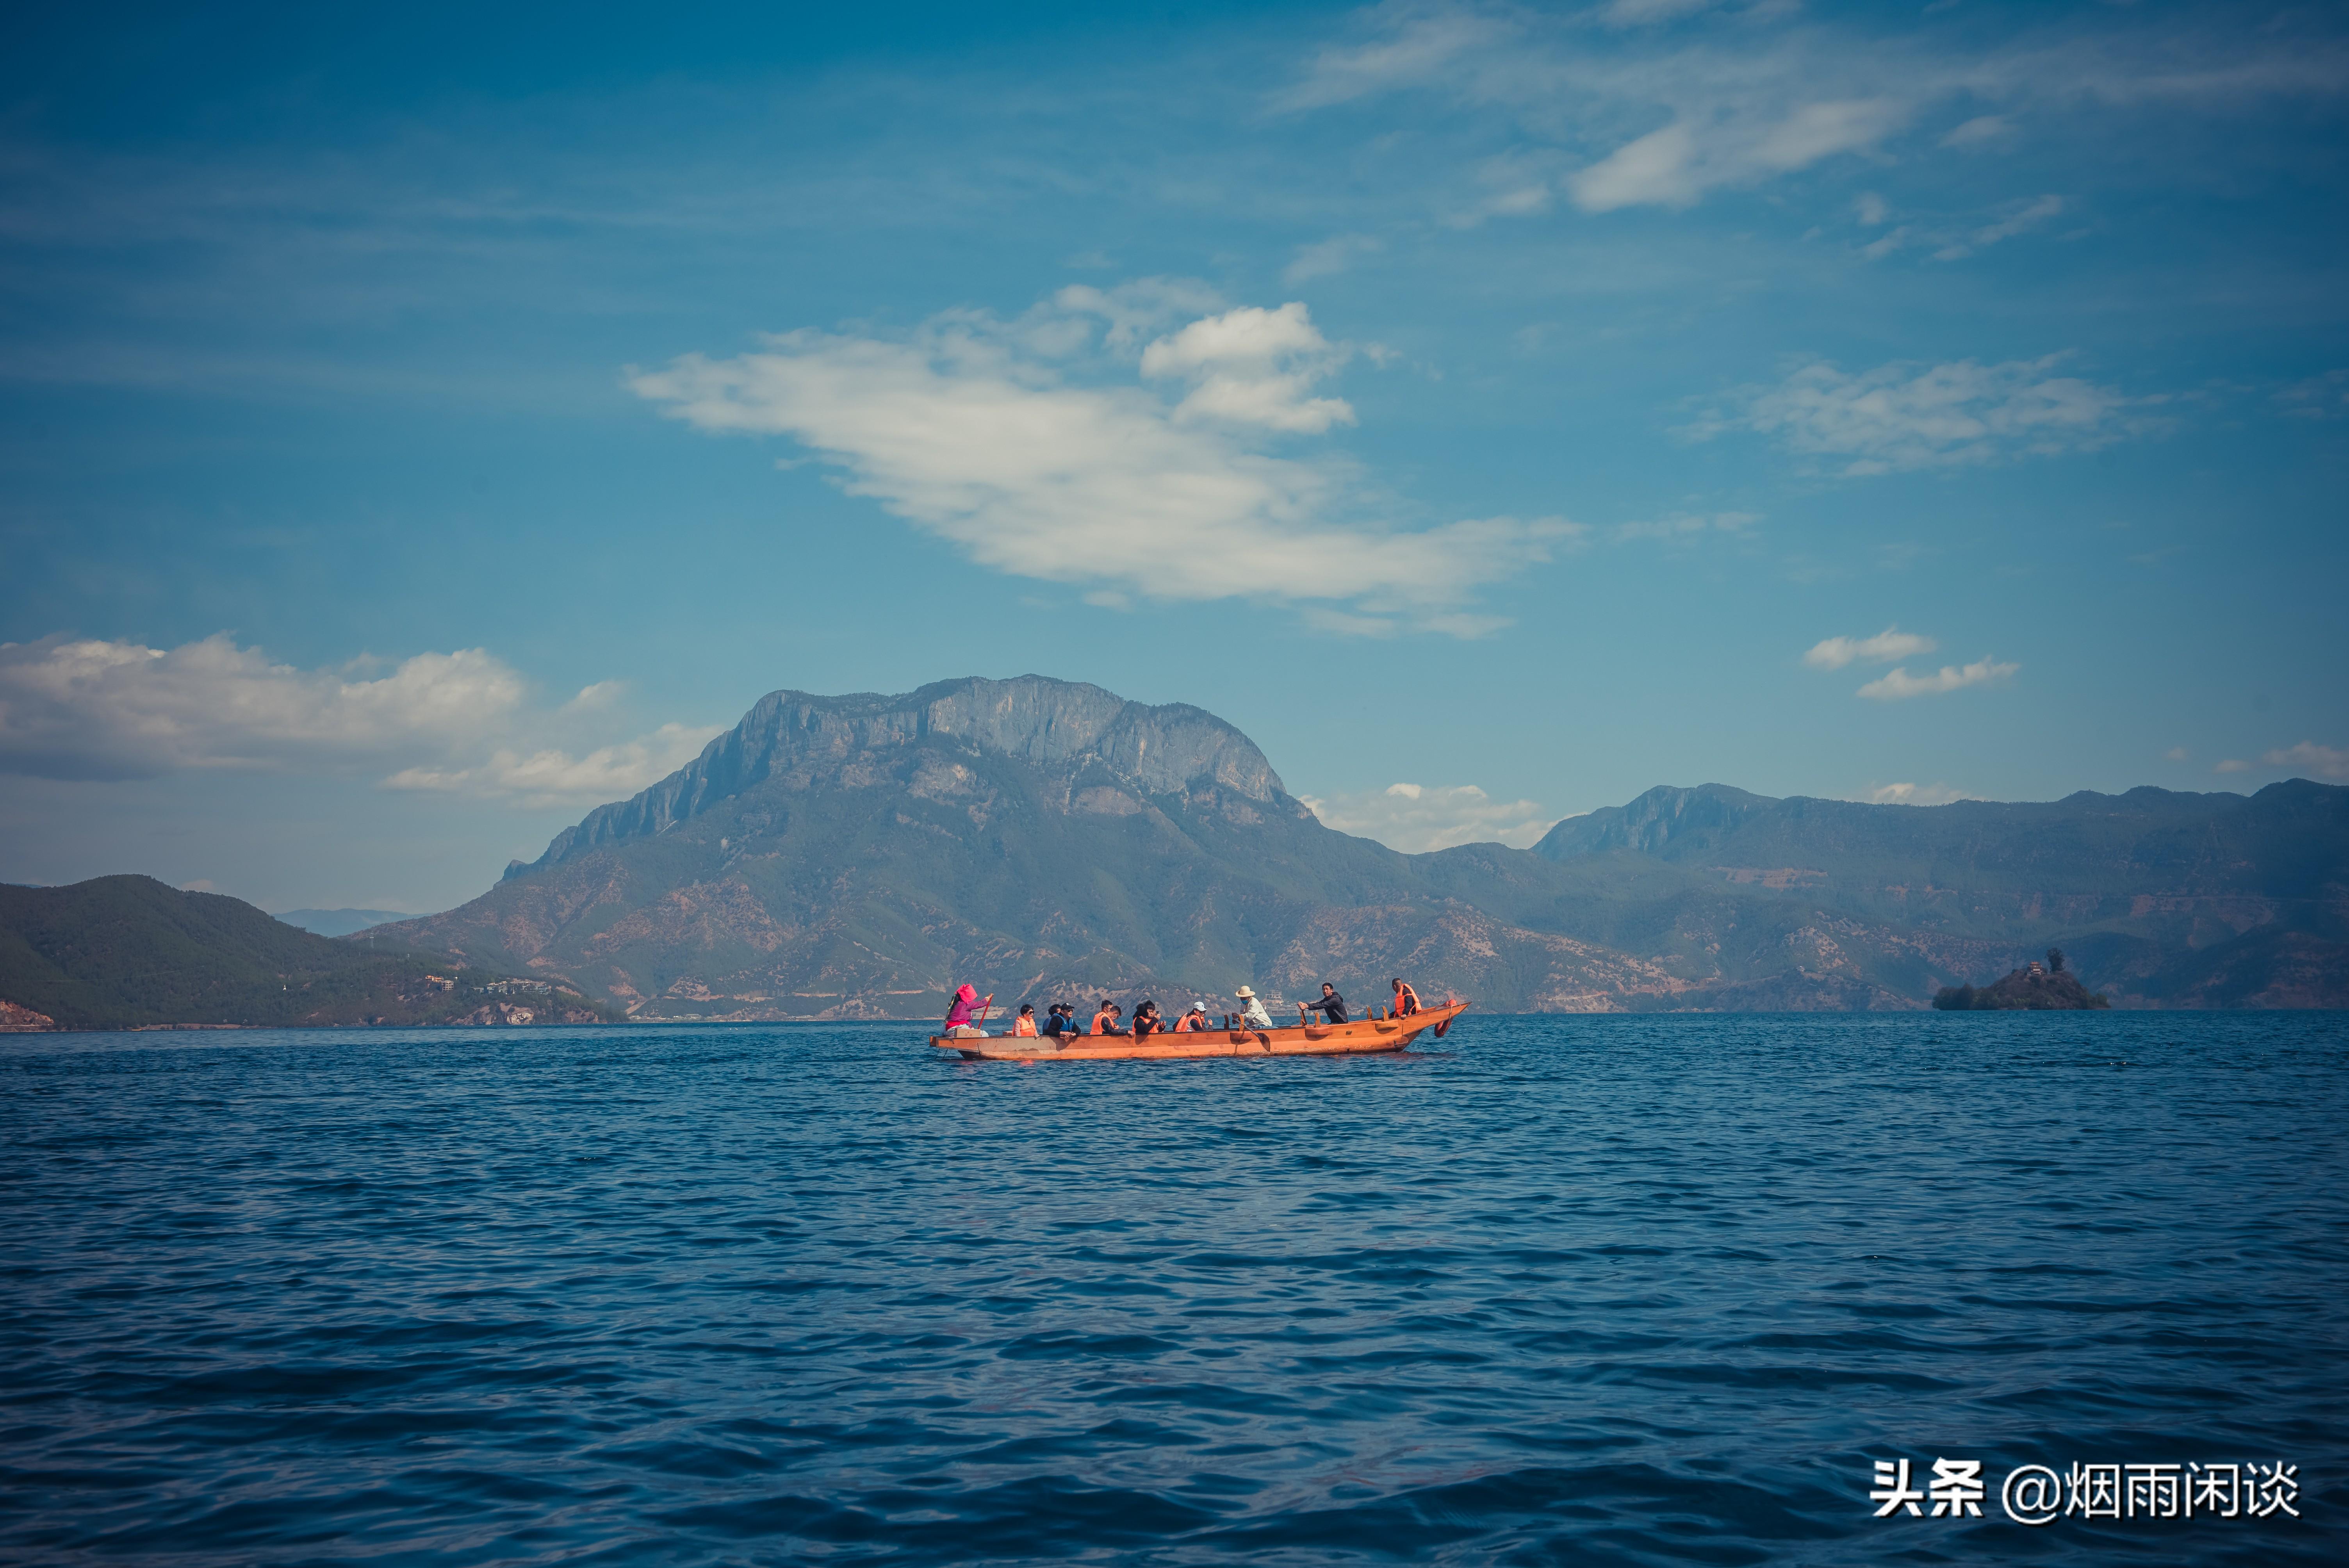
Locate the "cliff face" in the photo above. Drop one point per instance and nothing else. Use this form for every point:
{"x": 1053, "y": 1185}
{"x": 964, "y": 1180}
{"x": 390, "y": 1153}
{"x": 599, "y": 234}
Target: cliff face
{"x": 858, "y": 856}
{"x": 1063, "y": 730}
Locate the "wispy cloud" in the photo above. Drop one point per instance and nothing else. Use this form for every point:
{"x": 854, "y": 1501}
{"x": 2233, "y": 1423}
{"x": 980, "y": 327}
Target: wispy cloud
{"x": 552, "y": 777}
{"x": 2325, "y": 396}
{"x": 1917, "y": 795}
{"x": 2025, "y": 217}
{"x": 1329, "y": 256}
{"x": 1685, "y": 525}
{"x": 1035, "y": 445}
{"x": 1891, "y": 644}
{"x": 2324, "y": 761}
{"x": 1417, "y": 818}
{"x": 1650, "y": 116}
{"x": 1896, "y": 685}
{"x": 1905, "y": 415}
{"x": 94, "y": 709}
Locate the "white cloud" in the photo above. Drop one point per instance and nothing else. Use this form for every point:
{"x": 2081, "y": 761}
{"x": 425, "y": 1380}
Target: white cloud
{"x": 2177, "y": 754}
{"x": 1334, "y": 255}
{"x": 1671, "y": 116}
{"x": 1417, "y": 818}
{"x": 1682, "y": 525}
{"x": 554, "y": 777}
{"x": 1877, "y": 250}
{"x": 1253, "y": 366}
{"x": 1903, "y": 416}
{"x": 1980, "y": 130}
{"x": 983, "y": 433}
{"x": 94, "y": 709}
{"x": 1647, "y": 13}
{"x": 1891, "y": 644}
{"x": 1135, "y": 310}
{"x": 1871, "y": 208}
{"x": 1677, "y": 163}
{"x": 2023, "y": 218}
{"x": 2317, "y": 398}
{"x": 2233, "y": 765}
{"x": 2324, "y": 761}
{"x": 1917, "y": 795}
{"x": 1896, "y": 684}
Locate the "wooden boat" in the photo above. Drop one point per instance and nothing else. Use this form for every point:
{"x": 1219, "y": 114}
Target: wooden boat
{"x": 1360, "y": 1036}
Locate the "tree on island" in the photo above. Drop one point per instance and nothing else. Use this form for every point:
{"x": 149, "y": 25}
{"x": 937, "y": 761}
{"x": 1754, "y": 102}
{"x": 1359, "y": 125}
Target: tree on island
{"x": 2026, "y": 989}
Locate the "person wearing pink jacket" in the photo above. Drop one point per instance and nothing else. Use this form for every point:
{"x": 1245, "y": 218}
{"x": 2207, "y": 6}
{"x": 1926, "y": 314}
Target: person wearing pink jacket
{"x": 958, "y": 1021}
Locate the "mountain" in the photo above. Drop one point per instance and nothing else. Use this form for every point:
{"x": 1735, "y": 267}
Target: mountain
{"x": 857, "y": 856}
{"x": 127, "y": 952}
{"x": 340, "y": 922}
{"x": 2168, "y": 898}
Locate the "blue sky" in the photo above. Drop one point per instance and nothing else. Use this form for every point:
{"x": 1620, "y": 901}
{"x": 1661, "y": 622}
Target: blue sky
{"x": 420, "y": 430}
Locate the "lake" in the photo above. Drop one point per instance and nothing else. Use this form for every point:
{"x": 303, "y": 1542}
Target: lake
{"x": 1610, "y": 1290}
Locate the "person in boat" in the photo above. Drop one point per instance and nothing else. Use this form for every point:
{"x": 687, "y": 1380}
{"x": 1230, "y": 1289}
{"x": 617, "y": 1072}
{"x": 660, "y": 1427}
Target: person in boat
{"x": 1192, "y": 1022}
{"x": 1253, "y": 1017}
{"x": 1024, "y": 1026}
{"x": 1146, "y": 1021}
{"x": 1329, "y": 1004}
{"x": 1407, "y": 1000}
{"x": 1105, "y": 1022}
{"x": 958, "y": 1020}
{"x": 1057, "y": 1022}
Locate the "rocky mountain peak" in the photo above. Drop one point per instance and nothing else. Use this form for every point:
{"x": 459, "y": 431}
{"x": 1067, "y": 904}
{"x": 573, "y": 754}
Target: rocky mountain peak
{"x": 801, "y": 741}
{"x": 1665, "y": 817}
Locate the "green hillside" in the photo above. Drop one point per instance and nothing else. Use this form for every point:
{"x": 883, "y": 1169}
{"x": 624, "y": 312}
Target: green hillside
{"x": 126, "y": 952}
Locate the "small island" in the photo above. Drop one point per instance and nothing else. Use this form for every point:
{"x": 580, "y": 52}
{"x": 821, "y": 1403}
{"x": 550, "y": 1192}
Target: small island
{"x": 2031, "y": 988}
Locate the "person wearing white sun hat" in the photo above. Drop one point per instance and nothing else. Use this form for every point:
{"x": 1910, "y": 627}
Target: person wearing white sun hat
{"x": 1255, "y": 1018}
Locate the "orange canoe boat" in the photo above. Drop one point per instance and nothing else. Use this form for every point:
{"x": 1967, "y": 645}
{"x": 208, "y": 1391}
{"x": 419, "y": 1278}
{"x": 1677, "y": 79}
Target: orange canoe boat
{"x": 1360, "y": 1036}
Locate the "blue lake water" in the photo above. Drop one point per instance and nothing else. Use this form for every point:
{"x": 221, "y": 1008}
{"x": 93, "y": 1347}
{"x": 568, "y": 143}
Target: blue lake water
{"x": 1603, "y": 1291}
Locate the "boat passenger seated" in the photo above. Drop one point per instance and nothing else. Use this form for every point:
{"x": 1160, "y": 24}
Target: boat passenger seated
{"x": 1057, "y": 1022}
{"x": 1146, "y": 1021}
{"x": 1329, "y": 1004}
{"x": 1407, "y": 1000}
{"x": 1253, "y": 1017}
{"x": 1192, "y": 1022}
{"x": 958, "y": 1017}
{"x": 1024, "y": 1026}
{"x": 1105, "y": 1022}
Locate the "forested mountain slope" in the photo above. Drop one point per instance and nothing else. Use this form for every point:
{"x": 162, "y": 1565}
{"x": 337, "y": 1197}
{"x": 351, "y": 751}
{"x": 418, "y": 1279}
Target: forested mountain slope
{"x": 127, "y": 952}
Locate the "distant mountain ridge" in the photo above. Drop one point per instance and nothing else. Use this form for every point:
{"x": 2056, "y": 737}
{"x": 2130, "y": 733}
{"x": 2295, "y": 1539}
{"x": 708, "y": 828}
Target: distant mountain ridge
{"x": 857, "y": 856}
{"x": 340, "y": 922}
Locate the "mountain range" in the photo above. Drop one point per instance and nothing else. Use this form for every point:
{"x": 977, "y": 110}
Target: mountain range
{"x": 339, "y": 921}
{"x": 858, "y": 856}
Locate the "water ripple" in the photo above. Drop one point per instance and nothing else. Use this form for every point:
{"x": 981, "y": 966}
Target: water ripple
{"x": 1606, "y": 1290}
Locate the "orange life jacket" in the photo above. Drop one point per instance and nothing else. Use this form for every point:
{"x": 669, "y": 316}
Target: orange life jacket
{"x": 1024, "y": 1024}
{"x": 1407, "y": 1001}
